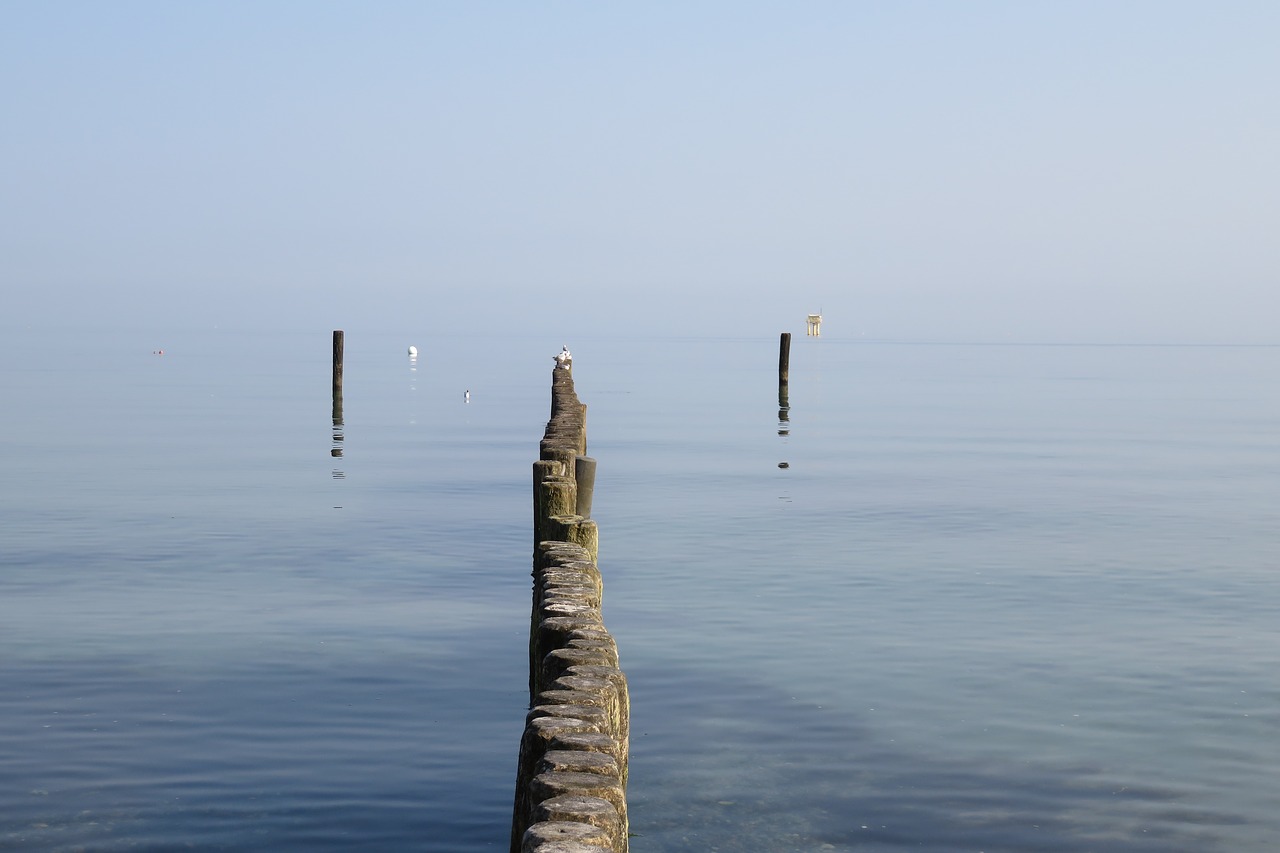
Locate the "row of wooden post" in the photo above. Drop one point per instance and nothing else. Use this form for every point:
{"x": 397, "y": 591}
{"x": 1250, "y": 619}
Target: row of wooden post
{"x": 571, "y": 776}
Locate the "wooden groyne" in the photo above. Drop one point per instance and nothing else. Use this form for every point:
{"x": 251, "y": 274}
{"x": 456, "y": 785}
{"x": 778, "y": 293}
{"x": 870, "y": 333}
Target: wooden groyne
{"x": 572, "y": 774}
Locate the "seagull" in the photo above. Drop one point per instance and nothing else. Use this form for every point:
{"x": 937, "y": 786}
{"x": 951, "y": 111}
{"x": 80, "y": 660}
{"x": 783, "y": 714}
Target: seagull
{"x": 413, "y": 352}
{"x": 466, "y": 398}
{"x": 563, "y": 357}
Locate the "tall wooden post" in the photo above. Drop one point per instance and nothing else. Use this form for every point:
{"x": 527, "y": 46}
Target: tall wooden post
{"x": 784, "y": 358}
{"x": 337, "y": 364}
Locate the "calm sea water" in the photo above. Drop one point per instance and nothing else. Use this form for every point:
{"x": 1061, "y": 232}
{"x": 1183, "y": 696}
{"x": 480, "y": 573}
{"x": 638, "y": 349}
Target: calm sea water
{"x": 1001, "y": 598}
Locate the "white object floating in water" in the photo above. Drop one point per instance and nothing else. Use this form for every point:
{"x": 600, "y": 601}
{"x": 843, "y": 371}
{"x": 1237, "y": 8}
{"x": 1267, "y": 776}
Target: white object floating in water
{"x": 563, "y": 358}
{"x": 413, "y": 352}
{"x": 466, "y": 398}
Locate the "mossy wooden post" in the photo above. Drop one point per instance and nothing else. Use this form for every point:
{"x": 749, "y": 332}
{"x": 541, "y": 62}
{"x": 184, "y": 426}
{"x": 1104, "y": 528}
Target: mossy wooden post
{"x": 784, "y": 359}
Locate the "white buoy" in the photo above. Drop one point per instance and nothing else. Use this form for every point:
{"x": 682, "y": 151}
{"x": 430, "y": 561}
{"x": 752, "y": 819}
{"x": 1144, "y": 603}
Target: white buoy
{"x": 413, "y": 352}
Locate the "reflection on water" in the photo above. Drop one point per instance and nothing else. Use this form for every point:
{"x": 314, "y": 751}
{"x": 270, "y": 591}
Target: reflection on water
{"x": 338, "y": 366}
{"x": 784, "y": 410}
{"x": 339, "y": 435}
{"x": 784, "y": 423}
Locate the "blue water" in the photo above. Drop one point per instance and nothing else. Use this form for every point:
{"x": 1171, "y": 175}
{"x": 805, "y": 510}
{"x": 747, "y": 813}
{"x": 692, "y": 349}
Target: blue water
{"x": 1002, "y": 598}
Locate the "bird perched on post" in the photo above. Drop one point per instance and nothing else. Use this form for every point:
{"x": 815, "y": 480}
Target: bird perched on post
{"x": 563, "y": 358}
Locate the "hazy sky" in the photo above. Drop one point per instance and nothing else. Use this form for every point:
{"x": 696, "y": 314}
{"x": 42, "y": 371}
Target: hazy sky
{"x": 1025, "y": 170}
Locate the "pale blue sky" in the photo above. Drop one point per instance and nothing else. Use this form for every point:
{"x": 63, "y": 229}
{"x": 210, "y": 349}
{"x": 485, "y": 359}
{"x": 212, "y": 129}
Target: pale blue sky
{"x": 1070, "y": 171}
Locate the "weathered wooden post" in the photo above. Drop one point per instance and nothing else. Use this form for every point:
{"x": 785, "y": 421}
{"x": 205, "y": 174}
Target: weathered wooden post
{"x": 337, "y": 364}
{"x": 784, "y": 358}
{"x": 584, "y": 470}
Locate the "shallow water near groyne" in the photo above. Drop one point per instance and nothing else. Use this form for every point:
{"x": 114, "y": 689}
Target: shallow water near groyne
{"x": 1001, "y": 598}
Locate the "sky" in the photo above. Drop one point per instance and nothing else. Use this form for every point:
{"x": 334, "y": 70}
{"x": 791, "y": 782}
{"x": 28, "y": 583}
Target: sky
{"x": 945, "y": 171}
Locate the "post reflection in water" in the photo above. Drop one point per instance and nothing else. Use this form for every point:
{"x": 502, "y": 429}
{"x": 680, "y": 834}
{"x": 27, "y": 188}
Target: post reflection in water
{"x": 336, "y": 450}
{"x": 413, "y": 377}
{"x": 784, "y": 410}
{"x": 784, "y": 422}
{"x": 339, "y": 344}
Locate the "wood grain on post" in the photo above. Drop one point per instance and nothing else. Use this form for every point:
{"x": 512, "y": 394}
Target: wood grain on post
{"x": 582, "y": 808}
{"x": 553, "y": 784}
{"x": 565, "y": 837}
